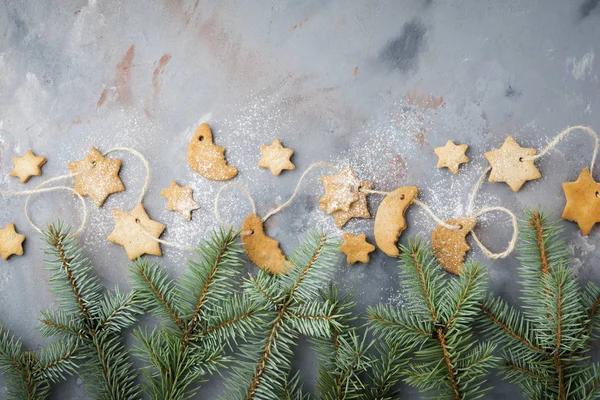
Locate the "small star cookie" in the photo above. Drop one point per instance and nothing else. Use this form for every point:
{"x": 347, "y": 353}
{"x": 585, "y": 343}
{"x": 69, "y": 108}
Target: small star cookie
{"x": 97, "y": 176}
{"x": 27, "y": 166}
{"x": 341, "y": 190}
{"x": 180, "y": 200}
{"x": 509, "y": 164}
{"x": 135, "y": 232}
{"x": 583, "y": 204}
{"x": 358, "y": 209}
{"x": 356, "y": 248}
{"x": 10, "y": 242}
{"x": 451, "y": 156}
{"x": 276, "y": 158}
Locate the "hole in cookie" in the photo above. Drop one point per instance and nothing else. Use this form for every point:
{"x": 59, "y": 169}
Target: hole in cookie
{"x": 402, "y": 197}
{"x": 201, "y": 138}
{"x": 459, "y": 226}
{"x": 521, "y": 159}
{"x": 94, "y": 163}
{"x": 598, "y": 194}
{"x": 137, "y": 221}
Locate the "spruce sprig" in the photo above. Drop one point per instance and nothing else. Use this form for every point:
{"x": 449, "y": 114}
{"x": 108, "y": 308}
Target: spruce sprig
{"x": 547, "y": 344}
{"x": 31, "y": 374}
{"x": 88, "y": 318}
{"x": 437, "y": 325}
{"x": 296, "y": 308}
{"x": 201, "y": 315}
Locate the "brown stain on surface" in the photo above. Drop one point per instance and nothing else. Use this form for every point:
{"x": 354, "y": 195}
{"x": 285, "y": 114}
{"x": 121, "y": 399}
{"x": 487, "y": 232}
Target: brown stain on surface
{"x": 299, "y": 25}
{"x": 355, "y": 71}
{"x": 162, "y": 63}
{"x": 121, "y": 81}
{"x": 423, "y": 100}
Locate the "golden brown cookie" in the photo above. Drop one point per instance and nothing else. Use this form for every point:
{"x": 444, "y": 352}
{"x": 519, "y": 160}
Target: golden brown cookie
{"x": 261, "y": 249}
{"x": 181, "y": 199}
{"x": 389, "y": 219}
{"x": 450, "y": 245}
{"x": 11, "y": 243}
{"x": 583, "y": 204}
{"x": 358, "y": 209}
{"x": 356, "y": 248}
{"x": 451, "y": 156}
{"x": 341, "y": 190}
{"x": 208, "y": 159}
{"x": 509, "y": 164}
{"x": 97, "y": 176}
{"x": 276, "y": 157}
{"x": 27, "y": 166}
{"x": 135, "y": 232}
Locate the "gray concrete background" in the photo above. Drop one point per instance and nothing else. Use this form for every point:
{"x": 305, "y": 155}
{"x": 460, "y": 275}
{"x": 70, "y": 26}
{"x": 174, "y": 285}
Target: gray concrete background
{"x": 378, "y": 84}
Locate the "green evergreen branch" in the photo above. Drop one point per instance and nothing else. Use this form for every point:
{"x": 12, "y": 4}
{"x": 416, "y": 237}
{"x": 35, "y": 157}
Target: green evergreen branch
{"x": 549, "y": 343}
{"x": 90, "y": 320}
{"x": 436, "y": 326}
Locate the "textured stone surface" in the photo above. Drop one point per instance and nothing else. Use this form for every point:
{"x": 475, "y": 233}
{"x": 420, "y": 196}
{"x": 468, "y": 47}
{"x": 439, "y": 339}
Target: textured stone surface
{"x": 377, "y": 84}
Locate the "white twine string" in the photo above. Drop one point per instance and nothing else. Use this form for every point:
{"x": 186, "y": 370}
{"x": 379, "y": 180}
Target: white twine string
{"x": 218, "y": 197}
{"x": 144, "y": 161}
{"x": 564, "y": 133}
{"x": 40, "y": 189}
{"x": 513, "y": 240}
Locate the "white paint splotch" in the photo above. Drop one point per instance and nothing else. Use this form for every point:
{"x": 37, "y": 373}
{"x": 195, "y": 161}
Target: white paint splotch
{"x": 581, "y": 68}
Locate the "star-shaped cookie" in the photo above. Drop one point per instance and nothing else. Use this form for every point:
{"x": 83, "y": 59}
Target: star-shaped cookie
{"x": 180, "y": 200}
{"x": 341, "y": 190}
{"x": 135, "y": 231}
{"x": 583, "y": 204}
{"x": 276, "y": 157}
{"x": 451, "y": 156}
{"x": 358, "y": 209}
{"x": 97, "y": 176}
{"x": 10, "y": 242}
{"x": 509, "y": 164}
{"x": 27, "y": 166}
{"x": 356, "y": 248}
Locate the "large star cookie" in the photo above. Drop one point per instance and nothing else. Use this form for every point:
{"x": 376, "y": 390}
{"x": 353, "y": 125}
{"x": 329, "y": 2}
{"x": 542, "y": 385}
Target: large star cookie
{"x": 509, "y": 164}
{"x": 356, "y": 248}
{"x": 10, "y": 242}
{"x": 180, "y": 199}
{"x": 27, "y": 166}
{"x": 341, "y": 190}
{"x": 276, "y": 157}
{"x": 97, "y": 176}
{"x": 136, "y": 232}
{"x": 451, "y": 156}
{"x": 583, "y": 204}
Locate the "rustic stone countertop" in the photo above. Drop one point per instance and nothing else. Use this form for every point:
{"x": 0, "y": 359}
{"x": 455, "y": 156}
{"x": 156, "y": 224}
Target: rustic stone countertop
{"x": 378, "y": 84}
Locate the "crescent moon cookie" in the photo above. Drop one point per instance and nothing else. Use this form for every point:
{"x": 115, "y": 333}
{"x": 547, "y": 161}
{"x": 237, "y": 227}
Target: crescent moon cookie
{"x": 450, "y": 245}
{"x": 276, "y": 157}
{"x": 508, "y": 164}
{"x": 583, "y": 204}
{"x": 97, "y": 176}
{"x": 356, "y": 248}
{"x": 208, "y": 159}
{"x": 389, "y": 220}
{"x": 260, "y": 248}
{"x": 135, "y": 232}
{"x": 27, "y": 166}
{"x": 341, "y": 190}
{"x": 11, "y": 243}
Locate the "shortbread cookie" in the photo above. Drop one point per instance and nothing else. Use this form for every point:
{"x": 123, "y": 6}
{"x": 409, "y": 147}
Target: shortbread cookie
{"x": 450, "y": 245}
{"x": 261, "y": 249}
{"x": 510, "y": 164}
{"x": 276, "y": 158}
{"x": 583, "y": 204}
{"x": 356, "y": 248}
{"x": 208, "y": 159}
{"x": 389, "y": 220}
{"x": 451, "y": 156}
{"x": 181, "y": 199}
{"x": 136, "y": 232}
{"x": 11, "y": 243}
{"x": 27, "y": 166}
{"x": 341, "y": 190}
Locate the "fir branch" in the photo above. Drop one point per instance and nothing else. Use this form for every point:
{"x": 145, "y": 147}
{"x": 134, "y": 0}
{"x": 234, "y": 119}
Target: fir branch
{"x": 180, "y": 355}
{"x": 89, "y": 319}
{"x": 437, "y": 326}
{"x": 549, "y": 342}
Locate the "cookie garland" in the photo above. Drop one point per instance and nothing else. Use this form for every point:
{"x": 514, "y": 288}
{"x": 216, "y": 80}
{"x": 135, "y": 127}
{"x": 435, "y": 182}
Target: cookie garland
{"x": 515, "y": 165}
